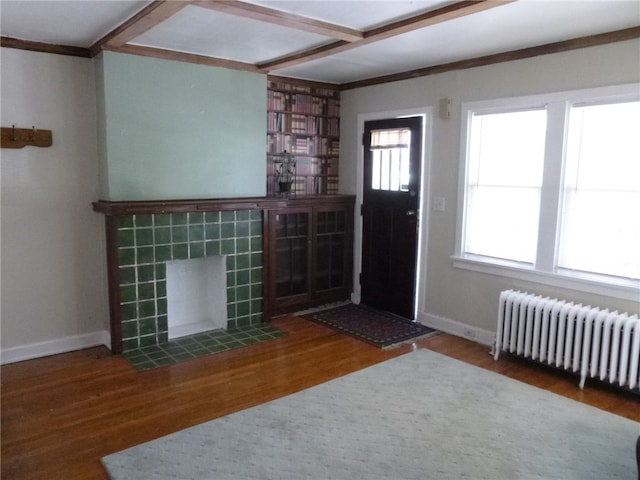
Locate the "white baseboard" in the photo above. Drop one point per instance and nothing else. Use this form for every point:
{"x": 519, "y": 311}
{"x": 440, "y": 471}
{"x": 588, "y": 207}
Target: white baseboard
{"x": 53, "y": 347}
{"x": 479, "y": 335}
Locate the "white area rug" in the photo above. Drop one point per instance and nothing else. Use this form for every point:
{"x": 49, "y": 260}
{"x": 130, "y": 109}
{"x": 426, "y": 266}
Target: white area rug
{"x": 419, "y": 416}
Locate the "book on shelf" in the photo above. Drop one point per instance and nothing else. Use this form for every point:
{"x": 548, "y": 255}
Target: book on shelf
{"x": 304, "y": 120}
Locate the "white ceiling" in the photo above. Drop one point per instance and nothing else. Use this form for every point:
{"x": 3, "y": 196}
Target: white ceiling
{"x": 74, "y": 23}
{"x": 208, "y": 32}
{"x": 225, "y": 36}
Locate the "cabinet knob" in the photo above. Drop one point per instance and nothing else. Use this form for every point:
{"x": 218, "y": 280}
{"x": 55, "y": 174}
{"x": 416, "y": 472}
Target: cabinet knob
{"x": 411, "y": 213}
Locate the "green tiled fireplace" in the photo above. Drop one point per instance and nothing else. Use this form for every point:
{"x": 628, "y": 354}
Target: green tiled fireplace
{"x": 235, "y": 234}
{"x": 145, "y": 242}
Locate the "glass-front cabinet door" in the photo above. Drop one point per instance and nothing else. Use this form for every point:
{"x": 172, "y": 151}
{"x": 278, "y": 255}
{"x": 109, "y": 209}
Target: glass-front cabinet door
{"x": 292, "y": 252}
{"x": 309, "y": 246}
{"x": 330, "y": 250}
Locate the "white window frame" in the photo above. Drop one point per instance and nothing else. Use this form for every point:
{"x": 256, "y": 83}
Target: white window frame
{"x": 544, "y": 269}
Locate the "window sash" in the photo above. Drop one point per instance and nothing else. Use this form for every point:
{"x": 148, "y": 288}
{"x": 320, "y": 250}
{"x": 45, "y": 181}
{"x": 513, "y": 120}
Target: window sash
{"x": 600, "y": 215}
{"x": 504, "y": 180}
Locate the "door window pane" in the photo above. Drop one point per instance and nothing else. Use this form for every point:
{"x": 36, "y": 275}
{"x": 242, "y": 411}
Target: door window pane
{"x": 390, "y": 150}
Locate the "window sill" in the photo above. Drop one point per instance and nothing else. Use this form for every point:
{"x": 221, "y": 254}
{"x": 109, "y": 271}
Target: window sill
{"x": 618, "y": 288}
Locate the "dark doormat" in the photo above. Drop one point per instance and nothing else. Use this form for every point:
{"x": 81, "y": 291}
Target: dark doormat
{"x": 382, "y": 329}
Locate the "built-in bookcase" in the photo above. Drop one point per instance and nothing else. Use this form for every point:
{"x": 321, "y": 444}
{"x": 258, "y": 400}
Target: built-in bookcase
{"x": 304, "y": 121}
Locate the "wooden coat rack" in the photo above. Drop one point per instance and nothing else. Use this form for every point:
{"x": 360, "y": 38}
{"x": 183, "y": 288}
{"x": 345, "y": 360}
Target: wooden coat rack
{"x": 13, "y": 137}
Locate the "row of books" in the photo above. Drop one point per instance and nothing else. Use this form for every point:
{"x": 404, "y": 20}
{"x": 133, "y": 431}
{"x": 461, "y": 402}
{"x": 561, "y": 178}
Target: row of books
{"x": 306, "y": 166}
{"x": 315, "y": 166}
{"x": 303, "y": 145}
{"x": 300, "y": 103}
{"x": 292, "y": 123}
{"x": 315, "y": 184}
{"x": 304, "y": 121}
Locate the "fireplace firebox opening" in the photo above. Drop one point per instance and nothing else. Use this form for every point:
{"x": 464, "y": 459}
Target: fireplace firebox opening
{"x": 196, "y": 295}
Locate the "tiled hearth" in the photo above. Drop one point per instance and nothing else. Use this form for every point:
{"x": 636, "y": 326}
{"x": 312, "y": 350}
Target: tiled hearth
{"x": 206, "y": 343}
{"x": 146, "y": 242}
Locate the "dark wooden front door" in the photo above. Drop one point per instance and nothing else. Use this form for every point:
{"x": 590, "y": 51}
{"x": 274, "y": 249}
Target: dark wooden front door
{"x": 391, "y": 198}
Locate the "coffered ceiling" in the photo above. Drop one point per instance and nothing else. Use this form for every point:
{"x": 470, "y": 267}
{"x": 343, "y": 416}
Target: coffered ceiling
{"x": 335, "y": 41}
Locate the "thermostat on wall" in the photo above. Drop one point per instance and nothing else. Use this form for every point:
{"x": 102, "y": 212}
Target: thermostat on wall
{"x": 445, "y": 108}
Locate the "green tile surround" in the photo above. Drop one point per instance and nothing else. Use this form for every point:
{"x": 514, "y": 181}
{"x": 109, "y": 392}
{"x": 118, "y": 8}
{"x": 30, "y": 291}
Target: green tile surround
{"x": 146, "y": 242}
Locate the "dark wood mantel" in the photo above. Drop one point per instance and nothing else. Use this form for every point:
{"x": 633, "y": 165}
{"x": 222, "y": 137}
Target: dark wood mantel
{"x": 141, "y": 207}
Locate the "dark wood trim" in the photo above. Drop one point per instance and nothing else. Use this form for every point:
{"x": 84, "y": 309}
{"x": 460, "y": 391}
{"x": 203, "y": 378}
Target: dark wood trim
{"x": 278, "y": 17}
{"x": 267, "y": 269}
{"x": 303, "y": 83}
{"x": 115, "y": 208}
{"x": 555, "y": 47}
{"x": 307, "y": 55}
{"x": 147, "y": 18}
{"x": 431, "y": 17}
{"x": 113, "y": 282}
{"x": 9, "y": 42}
{"x": 182, "y": 57}
{"x": 175, "y": 206}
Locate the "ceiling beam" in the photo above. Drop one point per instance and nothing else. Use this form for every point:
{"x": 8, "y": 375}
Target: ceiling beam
{"x": 147, "y": 18}
{"x": 425, "y": 19}
{"x": 183, "y": 57}
{"x": 278, "y": 17}
{"x": 433, "y": 17}
{"x": 9, "y": 42}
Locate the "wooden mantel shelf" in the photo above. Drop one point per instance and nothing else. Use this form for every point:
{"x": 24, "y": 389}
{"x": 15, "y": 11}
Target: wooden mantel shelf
{"x": 141, "y": 207}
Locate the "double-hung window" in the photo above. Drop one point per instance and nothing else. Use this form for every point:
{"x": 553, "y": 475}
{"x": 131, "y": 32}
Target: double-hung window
{"x": 550, "y": 185}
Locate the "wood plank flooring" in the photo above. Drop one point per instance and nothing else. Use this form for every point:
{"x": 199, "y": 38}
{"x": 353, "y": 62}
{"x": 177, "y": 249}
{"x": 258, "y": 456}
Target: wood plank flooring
{"x": 61, "y": 414}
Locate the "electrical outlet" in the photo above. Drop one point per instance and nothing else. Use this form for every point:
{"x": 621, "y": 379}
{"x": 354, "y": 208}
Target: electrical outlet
{"x": 438, "y": 204}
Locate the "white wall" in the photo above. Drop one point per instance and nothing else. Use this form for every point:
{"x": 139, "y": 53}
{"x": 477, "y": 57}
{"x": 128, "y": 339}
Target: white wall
{"x": 452, "y": 299}
{"x": 53, "y": 255}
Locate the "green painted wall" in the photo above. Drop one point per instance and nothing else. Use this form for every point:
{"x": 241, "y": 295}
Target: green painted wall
{"x": 172, "y": 130}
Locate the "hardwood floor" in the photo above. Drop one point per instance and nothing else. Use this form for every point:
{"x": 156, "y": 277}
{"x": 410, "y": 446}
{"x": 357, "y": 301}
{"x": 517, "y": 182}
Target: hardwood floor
{"x": 61, "y": 414}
